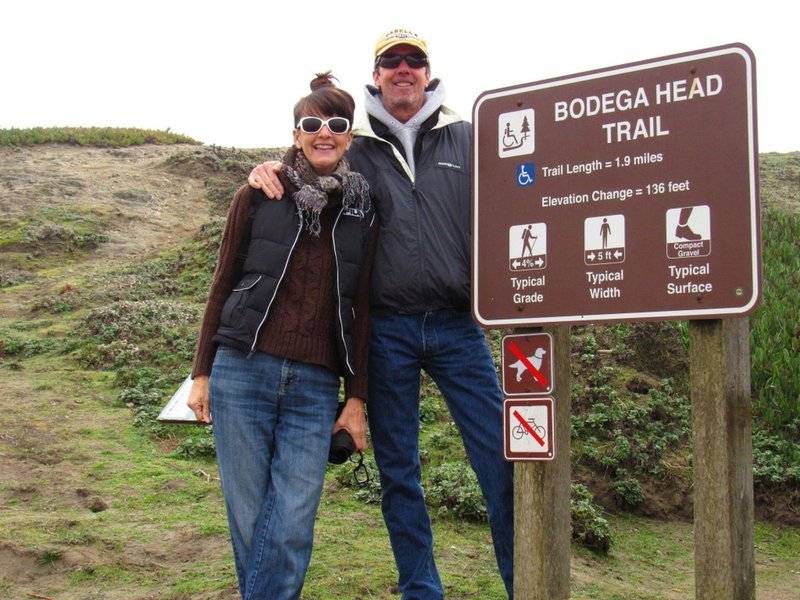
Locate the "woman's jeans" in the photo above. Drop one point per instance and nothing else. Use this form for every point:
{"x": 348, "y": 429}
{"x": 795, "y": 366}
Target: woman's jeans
{"x": 272, "y": 421}
{"x": 452, "y": 349}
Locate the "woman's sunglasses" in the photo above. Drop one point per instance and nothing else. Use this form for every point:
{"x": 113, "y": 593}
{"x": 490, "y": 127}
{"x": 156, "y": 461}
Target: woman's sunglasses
{"x": 392, "y": 61}
{"x": 337, "y": 125}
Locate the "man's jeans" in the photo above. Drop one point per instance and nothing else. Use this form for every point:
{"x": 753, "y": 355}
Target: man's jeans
{"x": 452, "y": 349}
{"x": 272, "y": 422}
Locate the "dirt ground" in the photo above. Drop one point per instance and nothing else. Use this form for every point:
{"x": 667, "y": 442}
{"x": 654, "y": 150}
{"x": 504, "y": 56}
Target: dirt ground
{"x": 152, "y": 207}
{"x": 44, "y": 449}
{"x": 47, "y": 478}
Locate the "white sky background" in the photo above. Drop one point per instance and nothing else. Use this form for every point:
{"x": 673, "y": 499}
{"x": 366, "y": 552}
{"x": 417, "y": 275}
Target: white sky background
{"x": 229, "y": 72}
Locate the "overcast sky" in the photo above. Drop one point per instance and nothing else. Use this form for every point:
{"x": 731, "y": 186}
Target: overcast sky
{"x": 228, "y": 73}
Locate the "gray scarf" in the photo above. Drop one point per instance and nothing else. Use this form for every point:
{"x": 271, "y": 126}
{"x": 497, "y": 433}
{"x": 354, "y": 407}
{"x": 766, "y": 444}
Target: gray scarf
{"x": 313, "y": 189}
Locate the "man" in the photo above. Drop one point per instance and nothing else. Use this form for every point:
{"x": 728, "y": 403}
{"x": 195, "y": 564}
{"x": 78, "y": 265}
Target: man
{"x": 415, "y": 154}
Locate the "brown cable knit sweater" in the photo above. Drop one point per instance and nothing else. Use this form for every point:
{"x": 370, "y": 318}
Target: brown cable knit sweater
{"x": 301, "y": 323}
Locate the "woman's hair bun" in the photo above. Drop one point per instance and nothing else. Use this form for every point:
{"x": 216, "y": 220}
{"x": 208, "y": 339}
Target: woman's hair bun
{"x": 323, "y": 80}
{"x": 326, "y": 98}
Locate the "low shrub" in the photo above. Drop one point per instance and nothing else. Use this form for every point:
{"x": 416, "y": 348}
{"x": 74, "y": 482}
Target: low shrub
{"x": 589, "y": 528}
{"x": 452, "y": 489}
{"x": 10, "y": 277}
{"x": 199, "y": 444}
{"x": 366, "y": 482}
{"x": 125, "y": 333}
{"x": 776, "y": 459}
{"x": 13, "y": 347}
{"x": 627, "y": 491}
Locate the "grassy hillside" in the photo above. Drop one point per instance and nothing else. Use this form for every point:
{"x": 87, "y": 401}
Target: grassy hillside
{"x": 106, "y": 253}
{"x": 113, "y": 137}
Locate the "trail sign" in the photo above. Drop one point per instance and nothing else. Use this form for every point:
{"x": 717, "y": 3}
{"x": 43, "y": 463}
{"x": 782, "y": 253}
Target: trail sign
{"x": 629, "y": 193}
{"x": 528, "y": 429}
{"x": 527, "y": 360}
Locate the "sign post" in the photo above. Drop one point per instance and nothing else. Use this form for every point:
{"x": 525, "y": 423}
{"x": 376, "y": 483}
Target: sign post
{"x": 542, "y": 533}
{"x": 723, "y": 459}
{"x": 628, "y": 193}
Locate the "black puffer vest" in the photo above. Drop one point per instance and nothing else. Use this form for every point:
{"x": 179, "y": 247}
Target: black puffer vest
{"x": 276, "y": 227}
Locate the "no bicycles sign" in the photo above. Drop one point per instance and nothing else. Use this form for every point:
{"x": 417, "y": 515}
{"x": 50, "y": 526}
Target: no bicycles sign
{"x": 528, "y": 429}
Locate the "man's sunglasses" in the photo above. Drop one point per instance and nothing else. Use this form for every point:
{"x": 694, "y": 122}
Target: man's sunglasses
{"x": 392, "y": 61}
{"x": 337, "y": 125}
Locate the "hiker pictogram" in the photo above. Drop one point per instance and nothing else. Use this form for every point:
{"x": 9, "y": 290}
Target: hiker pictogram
{"x": 527, "y": 247}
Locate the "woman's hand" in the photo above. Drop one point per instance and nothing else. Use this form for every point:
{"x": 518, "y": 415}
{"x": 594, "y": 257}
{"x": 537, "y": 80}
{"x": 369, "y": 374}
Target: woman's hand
{"x": 265, "y": 177}
{"x": 198, "y": 399}
{"x": 354, "y": 421}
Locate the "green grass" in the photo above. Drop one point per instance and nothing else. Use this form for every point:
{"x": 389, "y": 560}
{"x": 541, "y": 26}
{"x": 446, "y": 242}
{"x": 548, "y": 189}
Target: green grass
{"x": 116, "y": 137}
{"x": 651, "y": 557}
{"x": 780, "y": 181}
{"x": 654, "y": 560}
{"x": 775, "y": 327}
{"x": 148, "y": 495}
{"x": 31, "y": 240}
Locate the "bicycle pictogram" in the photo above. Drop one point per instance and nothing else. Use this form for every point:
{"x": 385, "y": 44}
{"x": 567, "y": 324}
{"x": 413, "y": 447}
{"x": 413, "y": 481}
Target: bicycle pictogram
{"x": 519, "y": 431}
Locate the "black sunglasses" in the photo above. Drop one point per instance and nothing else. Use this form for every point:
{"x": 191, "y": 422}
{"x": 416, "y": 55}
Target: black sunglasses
{"x": 337, "y": 125}
{"x": 361, "y": 475}
{"x": 392, "y": 61}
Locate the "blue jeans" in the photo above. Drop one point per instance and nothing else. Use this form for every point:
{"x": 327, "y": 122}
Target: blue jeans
{"x": 272, "y": 421}
{"x": 452, "y": 349}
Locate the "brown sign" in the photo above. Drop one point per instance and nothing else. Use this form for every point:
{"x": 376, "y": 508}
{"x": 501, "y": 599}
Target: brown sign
{"x": 629, "y": 193}
{"x": 527, "y": 364}
{"x": 528, "y": 430}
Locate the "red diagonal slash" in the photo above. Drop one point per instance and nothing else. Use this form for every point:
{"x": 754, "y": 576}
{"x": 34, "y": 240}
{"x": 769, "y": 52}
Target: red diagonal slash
{"x": 527, "y": 426}
{"x": 536, "y": 375}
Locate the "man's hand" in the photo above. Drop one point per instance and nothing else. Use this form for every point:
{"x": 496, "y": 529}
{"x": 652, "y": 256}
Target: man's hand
{"x": 354, "y": 421}
{"x": 265, "y": 177}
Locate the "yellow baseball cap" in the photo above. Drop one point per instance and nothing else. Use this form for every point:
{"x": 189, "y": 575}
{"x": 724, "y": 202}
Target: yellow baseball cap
{"x": 395, "y": 37}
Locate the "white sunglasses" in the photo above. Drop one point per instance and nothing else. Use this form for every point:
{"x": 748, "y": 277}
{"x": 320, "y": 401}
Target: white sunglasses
{"x": 337, "y": 125}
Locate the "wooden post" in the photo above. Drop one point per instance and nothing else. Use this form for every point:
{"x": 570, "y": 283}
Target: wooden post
{"x": 542, "y": 531}
{"x": 723, "y": 459}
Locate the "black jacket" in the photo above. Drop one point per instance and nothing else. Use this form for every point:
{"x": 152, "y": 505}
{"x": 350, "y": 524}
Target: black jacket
{"x": 423, "y": 257}
{"x": 274, "y": 232}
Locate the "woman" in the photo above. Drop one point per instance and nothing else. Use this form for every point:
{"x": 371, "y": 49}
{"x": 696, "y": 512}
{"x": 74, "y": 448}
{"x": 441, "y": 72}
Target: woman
{"x": 286, "y": 315}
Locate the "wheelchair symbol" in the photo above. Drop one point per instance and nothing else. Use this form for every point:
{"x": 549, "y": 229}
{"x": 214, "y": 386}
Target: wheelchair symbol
{"x": 526, "y": 174}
